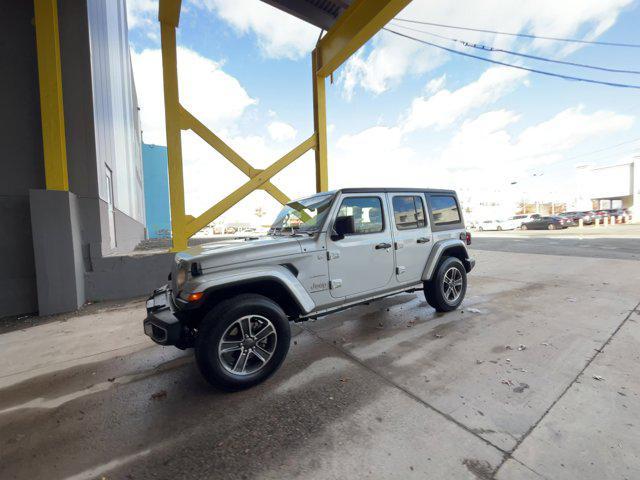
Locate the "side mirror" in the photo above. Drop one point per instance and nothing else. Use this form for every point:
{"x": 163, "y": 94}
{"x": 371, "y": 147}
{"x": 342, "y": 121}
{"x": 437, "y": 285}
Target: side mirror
{"x": 342, "y": 226}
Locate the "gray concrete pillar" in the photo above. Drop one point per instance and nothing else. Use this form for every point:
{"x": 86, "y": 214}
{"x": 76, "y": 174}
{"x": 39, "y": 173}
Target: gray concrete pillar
{"x": 57, "y": 248}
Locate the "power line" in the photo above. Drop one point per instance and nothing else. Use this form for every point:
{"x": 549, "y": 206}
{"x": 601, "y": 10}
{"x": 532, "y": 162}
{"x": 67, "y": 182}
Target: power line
{"x": 519, "y": 67}
{"x": 533, "y": 57}
{"x": 604, "y": 149}
{"x": 525, "y": 35}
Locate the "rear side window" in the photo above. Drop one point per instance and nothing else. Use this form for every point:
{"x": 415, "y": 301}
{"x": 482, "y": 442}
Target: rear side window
{"x": 366, "y": 213}
{"x": 408, "y": 211}
{"x": 444, "y": 209}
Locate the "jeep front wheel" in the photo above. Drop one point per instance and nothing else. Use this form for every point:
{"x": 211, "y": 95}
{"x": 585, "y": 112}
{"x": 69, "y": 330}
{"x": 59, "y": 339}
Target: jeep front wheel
{"x": 446, "y": 290}
{"x": 242, "y": 342}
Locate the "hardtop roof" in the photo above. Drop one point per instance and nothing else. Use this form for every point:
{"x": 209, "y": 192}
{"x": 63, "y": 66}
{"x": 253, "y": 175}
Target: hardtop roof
{"x": 395, "y": 189}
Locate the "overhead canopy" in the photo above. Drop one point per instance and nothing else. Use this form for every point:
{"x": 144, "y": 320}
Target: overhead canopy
{"x": 321, "y": 13}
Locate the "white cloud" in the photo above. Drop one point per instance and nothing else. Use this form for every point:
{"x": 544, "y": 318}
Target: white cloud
{"x": 485, "y": 157}
{"x": 390, "y": 59}
{"x": 216, "y": 98}
{"x": 436, "y": 84}
{"x": 393, "y": 57}
{"x": 142, "y": 13}
{"x": 279, "y": 34}
{"x": 445, "y": 107}
{"x": 480, "y": 161}
{"x": 377, "y": 156}
{"x": 281, "y": 131}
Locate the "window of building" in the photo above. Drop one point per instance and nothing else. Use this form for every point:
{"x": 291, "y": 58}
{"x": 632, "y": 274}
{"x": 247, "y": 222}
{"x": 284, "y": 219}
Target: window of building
{"x": 366, "y": 213}
{"x": 444, "y": 209}
{"x": 408, "y": 211}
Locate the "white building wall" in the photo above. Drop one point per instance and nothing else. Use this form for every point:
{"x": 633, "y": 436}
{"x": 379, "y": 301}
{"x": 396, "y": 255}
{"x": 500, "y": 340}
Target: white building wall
{"x": 115, "y": 107}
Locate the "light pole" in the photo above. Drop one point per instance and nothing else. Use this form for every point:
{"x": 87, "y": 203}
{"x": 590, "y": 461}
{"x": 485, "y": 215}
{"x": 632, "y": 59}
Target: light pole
{"x": 635, "y": 189}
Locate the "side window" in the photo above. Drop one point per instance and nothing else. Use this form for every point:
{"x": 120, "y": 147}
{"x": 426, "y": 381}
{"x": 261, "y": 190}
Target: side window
{"x": 444, "y": 209}
{"x": 366, "y": 213}
{"x": 408, "y": 211}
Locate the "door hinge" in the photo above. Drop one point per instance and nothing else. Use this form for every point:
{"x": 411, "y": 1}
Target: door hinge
{"x": 332, "y": 255}
{"x": 400, "y": 270}
{"x": 337, "y": 283}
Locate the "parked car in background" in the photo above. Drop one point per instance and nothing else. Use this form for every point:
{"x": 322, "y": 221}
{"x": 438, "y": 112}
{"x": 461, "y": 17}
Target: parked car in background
{"x": 588, "y": 218}
{"x": 498, "y": 225}
{"x": 543, "y": 223}
{"x": 521, "y": 218}
{"x": 568, "y": 219}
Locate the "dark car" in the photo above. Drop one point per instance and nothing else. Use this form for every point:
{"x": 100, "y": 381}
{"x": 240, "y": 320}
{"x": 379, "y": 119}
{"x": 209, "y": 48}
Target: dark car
{"x": 575, "y": 216}
{"x": 544, "y": 223}
{"x": 568, "y": 219}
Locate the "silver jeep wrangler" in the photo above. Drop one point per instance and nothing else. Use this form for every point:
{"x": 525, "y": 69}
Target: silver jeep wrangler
{"x": 233, "y": 301}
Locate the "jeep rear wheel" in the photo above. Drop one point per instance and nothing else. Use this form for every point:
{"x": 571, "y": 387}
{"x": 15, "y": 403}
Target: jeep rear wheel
{"x": 242, "y": 342}
{"x": 446, "y": 290}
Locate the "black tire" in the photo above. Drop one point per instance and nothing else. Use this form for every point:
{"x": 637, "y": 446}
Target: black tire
{"x": 499, "y": 228}
{"x": 434, "y": 290}
{"x": 216, "y": 323}
{"x": 551, "y": 226}
{"x": 480, "y": 229}
{"x": 523, "y": 227}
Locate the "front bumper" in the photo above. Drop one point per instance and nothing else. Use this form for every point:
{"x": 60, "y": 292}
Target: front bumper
{"x": 161, "y": 323}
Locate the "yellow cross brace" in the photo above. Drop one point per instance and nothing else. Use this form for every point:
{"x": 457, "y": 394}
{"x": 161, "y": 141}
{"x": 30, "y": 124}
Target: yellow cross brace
{"x": 353, "y": 28}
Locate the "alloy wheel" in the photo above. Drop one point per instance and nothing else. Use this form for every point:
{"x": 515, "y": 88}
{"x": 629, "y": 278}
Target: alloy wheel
{"x": 452, "y": 285}
{"x": 247, "y": 345}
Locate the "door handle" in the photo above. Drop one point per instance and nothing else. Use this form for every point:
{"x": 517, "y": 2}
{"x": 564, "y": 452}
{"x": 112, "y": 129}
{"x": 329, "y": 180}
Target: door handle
{"x": 423, "y": 240}
{"x": 383, "y": 245}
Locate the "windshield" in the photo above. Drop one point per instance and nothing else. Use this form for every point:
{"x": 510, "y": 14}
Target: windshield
{"x": 306, "y": 215}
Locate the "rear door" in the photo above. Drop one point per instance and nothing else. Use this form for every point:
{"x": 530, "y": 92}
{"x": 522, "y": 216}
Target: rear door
{"x": 361, "y": 262}
{"x": 412, "y": 235}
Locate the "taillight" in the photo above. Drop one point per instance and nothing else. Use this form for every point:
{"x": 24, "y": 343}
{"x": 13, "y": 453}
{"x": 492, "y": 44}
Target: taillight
{"x": 466, "y": 237}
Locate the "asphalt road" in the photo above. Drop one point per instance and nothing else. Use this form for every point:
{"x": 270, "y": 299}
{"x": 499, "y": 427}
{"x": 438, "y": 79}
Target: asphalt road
{"x": 615, "y": 248}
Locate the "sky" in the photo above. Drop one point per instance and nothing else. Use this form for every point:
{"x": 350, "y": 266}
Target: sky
{"x": 399, "y": 113}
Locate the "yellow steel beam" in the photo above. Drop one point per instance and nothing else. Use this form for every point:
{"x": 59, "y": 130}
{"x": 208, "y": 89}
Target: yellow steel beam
{"x": 51, "y": 105}
{"x": 354, "y": 27}
{"x": 320, "y": 126}
{"x": 254, "y": 183}
{"x": 174, "y": 141}
{"x": 169, "y": 12}
{"x": 189, "y": 122}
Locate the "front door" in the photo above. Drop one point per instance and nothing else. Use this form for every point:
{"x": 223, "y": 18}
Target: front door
{"x": 412, "y": 235}
{"x": 362, "y": 261}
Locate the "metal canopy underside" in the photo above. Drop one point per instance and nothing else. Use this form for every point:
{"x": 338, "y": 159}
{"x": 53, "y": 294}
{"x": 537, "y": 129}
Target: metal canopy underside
{"x": 321, "y": 13}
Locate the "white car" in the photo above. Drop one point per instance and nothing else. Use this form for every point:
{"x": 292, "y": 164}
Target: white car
{"x": 517, "y": 220}
{"x": 496, "y": 225}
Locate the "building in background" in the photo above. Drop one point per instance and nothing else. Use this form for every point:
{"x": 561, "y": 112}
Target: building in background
{"x": 612, "y": 186}
{"x": 156, "y": 191}
{"x": 54, "y": 239}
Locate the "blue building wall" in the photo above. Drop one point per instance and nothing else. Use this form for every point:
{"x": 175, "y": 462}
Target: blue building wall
{"x": 156, "y": 190}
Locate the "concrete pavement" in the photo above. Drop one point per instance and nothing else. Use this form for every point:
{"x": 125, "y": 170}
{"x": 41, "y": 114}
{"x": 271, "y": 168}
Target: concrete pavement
{"x": 504, "y": 388}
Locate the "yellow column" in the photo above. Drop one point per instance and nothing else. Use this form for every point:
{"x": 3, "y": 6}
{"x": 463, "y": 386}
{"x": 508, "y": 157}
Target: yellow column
{"x": 174, "y": 140}
{"x": 51, "y": 106}
{"x": 320, "y": 125}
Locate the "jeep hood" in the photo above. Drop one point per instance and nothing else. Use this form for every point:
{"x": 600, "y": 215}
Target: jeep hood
{"x": 218, "y": 254}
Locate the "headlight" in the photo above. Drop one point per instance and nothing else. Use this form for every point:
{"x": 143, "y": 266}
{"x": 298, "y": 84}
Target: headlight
{"x": 181, "y": 275}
